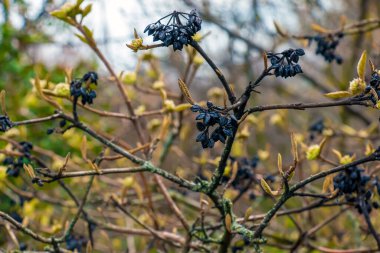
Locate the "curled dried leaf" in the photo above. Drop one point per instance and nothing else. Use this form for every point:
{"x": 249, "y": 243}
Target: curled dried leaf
{"x": 373, "y": 68}
{"x": 2, "y": 98}
{"x": 294, "y": 147}
{"x": 279, "y": 29}
{"x": 338, "y": 94}
{"x": 361, "y": 65}
{"x": 319, "y": 28}
{"x": 248, "y": 213}
{"x": 63, "y": 168}
{"x": 266, "y": 186}
{"x": 28, "y": 168}
{"x": 185, "y": 91}
{"x": 279, "y": 164}
{"x": 328, "y": 184}
{"x": 265, "y": 59}
{"x": 228, "y": 222}
{"x": 83, "y": 147}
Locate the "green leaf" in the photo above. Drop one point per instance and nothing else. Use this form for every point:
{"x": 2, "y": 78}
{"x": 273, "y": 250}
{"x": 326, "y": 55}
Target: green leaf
{"x": 86, "y": 10}
{"x": 82, "y": 38}
{"x": 361, "y": 65}
{"x": 87, "y": 31}
{"x": 78, "y": 3}
{"x": 313, "y": 152}
{"x": 60, "y": 14}
{"x": 338, "y": 94}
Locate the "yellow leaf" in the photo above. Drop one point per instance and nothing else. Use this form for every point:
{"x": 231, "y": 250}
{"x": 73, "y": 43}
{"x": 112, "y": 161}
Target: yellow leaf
{"x": 94, "y": 166}
{"x": 185, "y": 91}
{"x": 197, "y": 37}
{"x": 357, "y": 86}
{"x": 291, "y": 175}
{"x": 60, "y": 14}
{"x": 266, "y": 187}
{"x": 130, "y": 78}
{"x": 327, "y": 183}
{"x": 238, "y": 148}
{"x": 313, "y": 152}
{"x": 163, "y": 94}
{"x": 2, "y": 98}
{"x": 361, "y": 65}
{"x": 86, "y": 10}
{"x": 337, "y": 153}
{"x": 348, "y": 130}
{"x": 37, "y": 84}
{"x": 263, "y": 154}
{"x": 235, "y": 167}
{"x": 347, "y": 159}
{"x": 157, "y": 85}
{"x": 369, "y": 149}
{"x": 279, "y": 164}
{"x": 165, "y": 127}
{"x": 140, "y": 109}
{"x": 228, "y": 222}
{"x": 89, "y": 247}
{"x": 377, "y": 104}
{"x": 373, "y": 68}
{"x": 83, "y": 147}
{"x": 215, "y": 92}
{"x": 128, "y": 182}
{"x": 227, "y": 170}
{"x": 277, "y": 120}
{"x": 279, "y": 29}
{"x": 248, "y": 213}
{"x": 62, "y": 90}
{"x": 319, "y": 28}
{"x": 29, "y": 170}
{"x": 88, "y": 32}
{"x": 182, "y": 107}
{"x": 154, "y": 124}
{"x": 338, "y": 94}
{"x": 169, "y": 105}
{"x": 294, "y": 146}
{"x": 244, "y": 133}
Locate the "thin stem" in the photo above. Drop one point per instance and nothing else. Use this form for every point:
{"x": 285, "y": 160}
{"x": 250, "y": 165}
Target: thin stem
{"x": 303, "y": 106}
{"x": 369, "y": 223}
{"x": 80, "y": 209}
{"x": 37, "y": 120}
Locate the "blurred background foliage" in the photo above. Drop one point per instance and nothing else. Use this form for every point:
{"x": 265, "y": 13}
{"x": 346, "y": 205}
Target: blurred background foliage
{"x": 32, "y": 43}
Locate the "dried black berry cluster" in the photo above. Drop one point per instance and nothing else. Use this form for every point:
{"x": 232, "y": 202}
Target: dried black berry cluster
{"x": 285, "y": 64}
{"x": 178, "y": 30}
{"x": 326, "y": 46}
{"x": 316, "y": 128}
{"x": 62, "y": 123}
{"x": 83, "y": 88}
{"x": 226, "y": 124}
{"x": 245, "y": 173}
{"x": 374, "y": 84}
{"x": 5, "y": 123}
{"x": 74, "y": 242}
{"x": 15, "y": 165}
{"x": 356, "y": 187}
{"x": 16, "y": 216}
